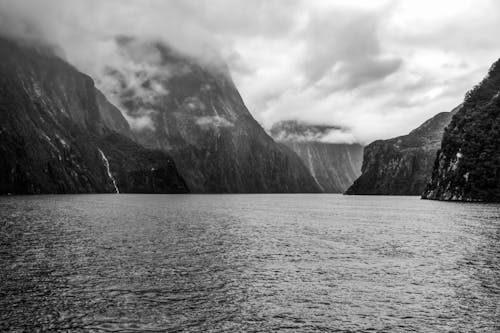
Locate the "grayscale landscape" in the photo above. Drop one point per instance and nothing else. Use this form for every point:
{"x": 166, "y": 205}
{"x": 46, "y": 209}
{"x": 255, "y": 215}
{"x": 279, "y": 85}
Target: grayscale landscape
{"x": 249, "y": 166}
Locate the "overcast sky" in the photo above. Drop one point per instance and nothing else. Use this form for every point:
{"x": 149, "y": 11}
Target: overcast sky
{"x": 379, "y": 68}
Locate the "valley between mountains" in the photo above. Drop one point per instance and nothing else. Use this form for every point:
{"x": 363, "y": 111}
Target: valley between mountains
{"x": 181, "y": 126}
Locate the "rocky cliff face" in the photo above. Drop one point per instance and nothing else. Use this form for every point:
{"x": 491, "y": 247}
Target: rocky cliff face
{"x": 467, "y": 167}
{"x": 333, "y": 166}
{"x": 192, "y": 110}
{"x": 402, "y": 165}
{"x": 59, "y": 134}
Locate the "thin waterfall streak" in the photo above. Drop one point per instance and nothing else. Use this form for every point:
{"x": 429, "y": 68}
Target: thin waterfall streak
{"x": 106, "y": 164}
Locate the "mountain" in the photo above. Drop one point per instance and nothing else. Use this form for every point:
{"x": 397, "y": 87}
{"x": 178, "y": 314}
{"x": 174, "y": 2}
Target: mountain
{"x": 467, "y": 167}
{"x": 334, "y": 166}
{"x": 191, "y": 109}
{"x": 402, "y": 165}
{"x": 59, "y": 134}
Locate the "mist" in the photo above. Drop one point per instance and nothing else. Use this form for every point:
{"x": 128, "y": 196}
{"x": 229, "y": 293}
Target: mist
{"x": 379, "y": 68}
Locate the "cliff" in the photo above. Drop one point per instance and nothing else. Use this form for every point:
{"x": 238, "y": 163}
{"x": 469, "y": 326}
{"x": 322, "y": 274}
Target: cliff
{"x": 334, "y": 166}
{"x": 59, "y": 134}
{"x": 402, "y": 165}
{"x": 191, "y": 109}
{"x": 467, "y": 167}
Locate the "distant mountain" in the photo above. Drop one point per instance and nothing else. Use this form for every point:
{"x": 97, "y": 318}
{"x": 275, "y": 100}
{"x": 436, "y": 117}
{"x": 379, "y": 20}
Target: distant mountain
{"x": 402, "y": 165}
{"x": 334, "y": 166}
{"x": 191, "y": 109}
{"x": 467, "y": 167}
{"x": 59, "y": 134}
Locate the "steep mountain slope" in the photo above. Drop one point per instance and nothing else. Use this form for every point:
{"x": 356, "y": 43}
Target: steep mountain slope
{"x": 467, "y": 167}
{"x": 192, "y": 110}
{"x": 333, "y": 166}
{"x": 58, "y": 134}
{"x": 402, "y": 165}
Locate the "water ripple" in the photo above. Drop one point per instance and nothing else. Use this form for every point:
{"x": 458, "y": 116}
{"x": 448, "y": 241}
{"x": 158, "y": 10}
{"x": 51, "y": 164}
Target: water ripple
{"x": 256, "y": 263}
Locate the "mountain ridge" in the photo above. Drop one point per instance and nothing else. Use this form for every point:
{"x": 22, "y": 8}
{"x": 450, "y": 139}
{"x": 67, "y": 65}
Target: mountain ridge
{"x": 401, "y": 165}
{"x": 196, "y": 114}
{"x": 59, "y": 134}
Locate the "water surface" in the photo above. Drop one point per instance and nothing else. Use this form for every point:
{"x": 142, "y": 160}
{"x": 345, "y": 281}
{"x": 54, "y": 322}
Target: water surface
{"x": 257, "y": 263}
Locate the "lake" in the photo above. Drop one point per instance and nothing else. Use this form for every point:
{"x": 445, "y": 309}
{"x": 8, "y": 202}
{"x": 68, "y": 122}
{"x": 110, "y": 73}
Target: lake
{"x": 251, "y": 263}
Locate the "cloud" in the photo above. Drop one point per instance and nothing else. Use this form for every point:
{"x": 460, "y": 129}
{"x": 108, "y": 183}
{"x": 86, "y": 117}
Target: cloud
{"x": 377, "y": 67}
{"x": 347, "y": 38}
{"x": 350, "y": 75}
{"x": 214, "y": 121}
{"x": 142, "y": 120}
{"x": 297, "y": 131}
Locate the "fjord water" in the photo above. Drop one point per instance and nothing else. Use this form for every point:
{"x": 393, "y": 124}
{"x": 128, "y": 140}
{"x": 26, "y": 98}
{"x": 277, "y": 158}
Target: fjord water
{"x": 210, "y": 263}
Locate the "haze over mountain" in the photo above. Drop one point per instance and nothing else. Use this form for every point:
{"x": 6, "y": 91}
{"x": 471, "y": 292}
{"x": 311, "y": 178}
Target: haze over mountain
{"x": 59, "y": 134}
{"x": 193, "y": 111}
{"x": 167, "y": 67}
{"x": 334, "y": 166}
{"x": 377, "y": 67}
{"x": 467, "y": 167}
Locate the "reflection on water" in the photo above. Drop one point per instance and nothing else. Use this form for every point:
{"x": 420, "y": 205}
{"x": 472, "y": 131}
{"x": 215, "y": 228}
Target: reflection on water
{"x": 210, "y": 263}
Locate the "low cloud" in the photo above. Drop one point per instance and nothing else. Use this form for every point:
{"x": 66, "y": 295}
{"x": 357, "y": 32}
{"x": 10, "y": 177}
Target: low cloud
{"x": 377, "y": 67}
{"x": 335, "y": 136}
{"x": 138, "y": 123}
{"x": 214, "y": 121}
{"x": 298, "y": 131}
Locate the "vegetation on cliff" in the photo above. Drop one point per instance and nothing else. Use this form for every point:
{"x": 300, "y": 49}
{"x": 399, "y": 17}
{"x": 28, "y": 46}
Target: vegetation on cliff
{"x": 402, "y": 165}
{"x": 59, "y": 134}
{"x": 467, "y": 167}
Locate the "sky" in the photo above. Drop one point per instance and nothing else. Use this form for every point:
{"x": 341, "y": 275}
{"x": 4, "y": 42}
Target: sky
{"x": 377, "y": 68}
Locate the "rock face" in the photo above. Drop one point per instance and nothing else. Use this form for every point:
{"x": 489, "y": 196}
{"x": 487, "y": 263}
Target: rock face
{"x": 402, "y": 165}
{"x": 192, "y": 110}
{"x": 334, "y": 166}
{"x": 467, "y": 167}
{"x": 59, "y": 134}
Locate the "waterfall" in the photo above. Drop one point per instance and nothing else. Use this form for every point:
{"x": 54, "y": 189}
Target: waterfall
{"x": 311, "y": 167}
{"x": 106, "y": 164}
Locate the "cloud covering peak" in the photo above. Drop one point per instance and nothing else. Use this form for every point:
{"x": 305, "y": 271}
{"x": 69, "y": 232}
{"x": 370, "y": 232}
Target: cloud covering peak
{"x": 376, "y": 67}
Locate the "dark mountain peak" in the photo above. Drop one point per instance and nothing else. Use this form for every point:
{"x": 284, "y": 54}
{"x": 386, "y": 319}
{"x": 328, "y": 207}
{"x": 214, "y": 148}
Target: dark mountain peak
{"x": 430, "y": 132}
{"x": 494, "y": 71}
{"x": 189, "y": 107}
{"x": 157, "y": 79}
{"x": 486, "y": 90}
